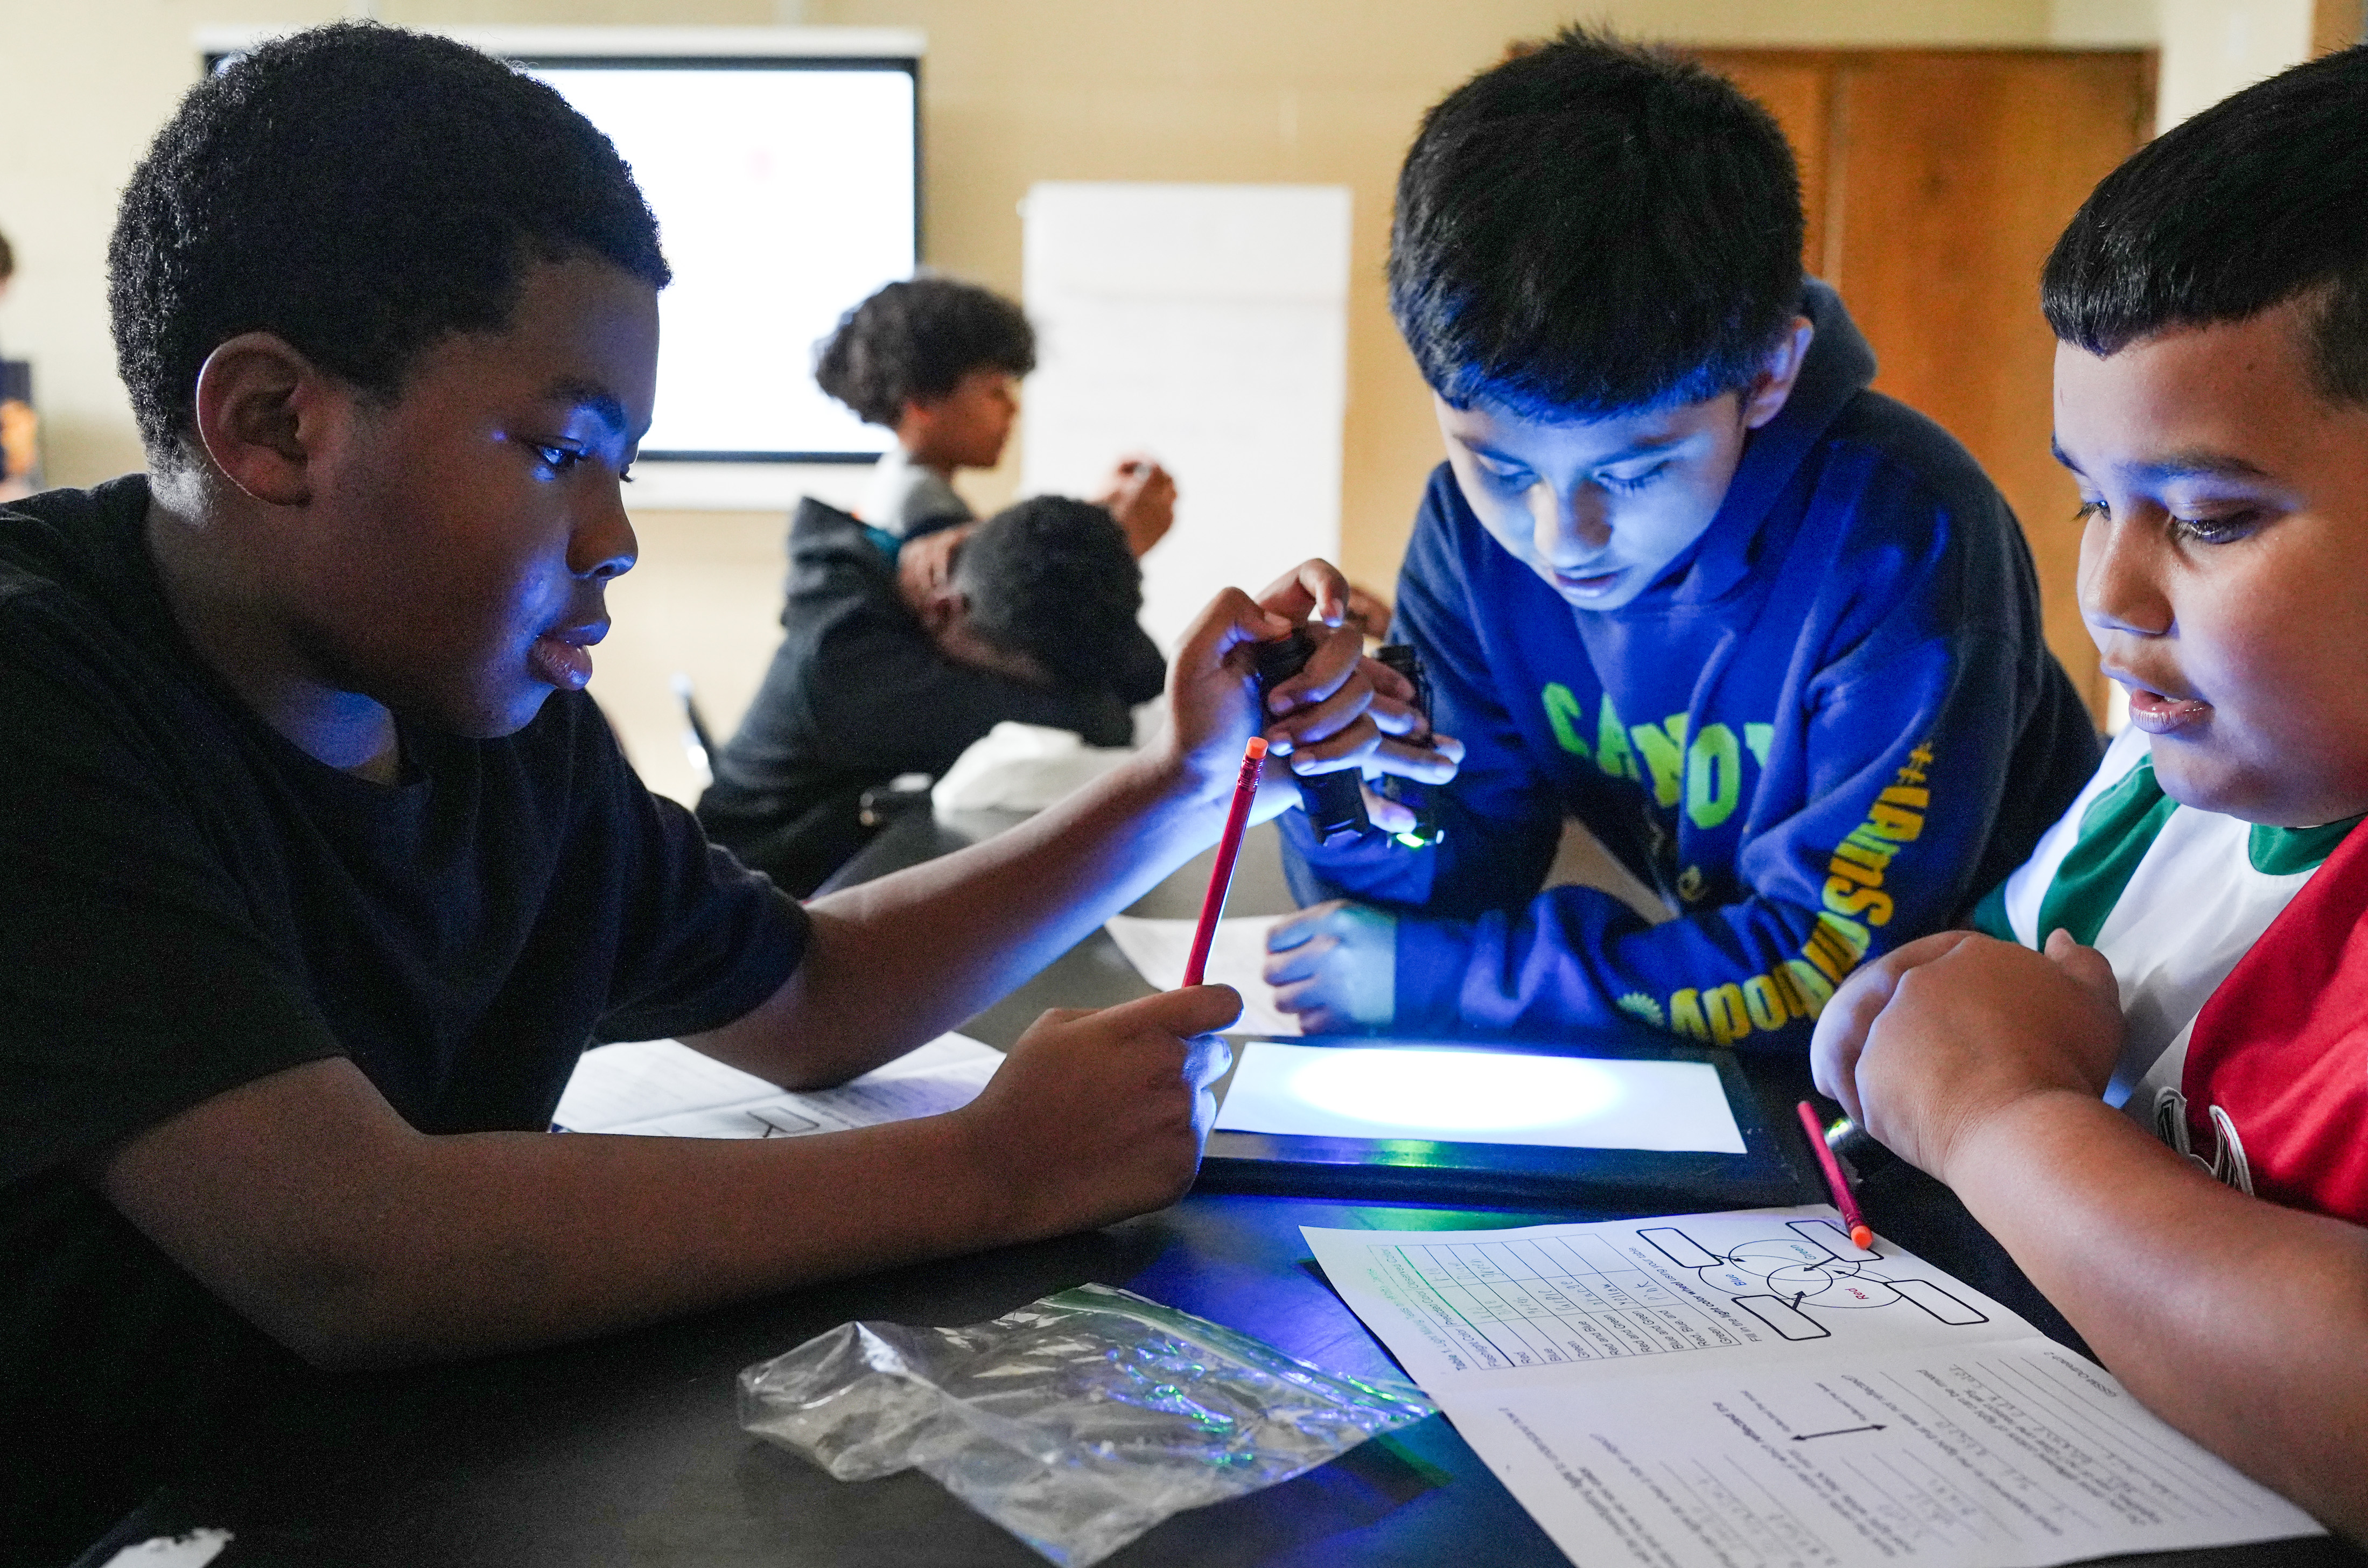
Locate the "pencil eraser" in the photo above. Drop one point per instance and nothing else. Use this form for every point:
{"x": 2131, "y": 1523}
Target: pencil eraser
{"x": 1862, "y": 1238}
{"x": 1256, "y": 748}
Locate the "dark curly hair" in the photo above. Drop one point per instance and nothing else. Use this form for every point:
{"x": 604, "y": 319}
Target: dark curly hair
{"x": 1592, "y": 226}
{"x": 362, "y": 192}
{"x": 916, "y": 340}
{"x": 1052, "y": 578}
{"x": 2257, "y": 200}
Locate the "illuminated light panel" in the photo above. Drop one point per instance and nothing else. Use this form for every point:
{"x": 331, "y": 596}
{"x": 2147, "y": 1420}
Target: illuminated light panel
{"x": 1478, "y": 1096}
{"x": 1455, "y": 1091}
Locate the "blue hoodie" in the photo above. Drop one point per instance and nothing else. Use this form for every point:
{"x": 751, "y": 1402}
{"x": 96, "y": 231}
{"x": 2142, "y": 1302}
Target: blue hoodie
{"x": 1828, "y": 729}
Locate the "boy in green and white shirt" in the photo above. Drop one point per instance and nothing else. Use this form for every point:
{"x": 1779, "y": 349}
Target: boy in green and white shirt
{"x": 2211, "y": 308}
{"x": 2173, "y": 896}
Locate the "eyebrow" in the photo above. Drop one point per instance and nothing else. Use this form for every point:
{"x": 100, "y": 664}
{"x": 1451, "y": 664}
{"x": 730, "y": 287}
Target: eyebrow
{"x": 2193, "y": 462}
{"x": 602, "y": 404}
{"x": 1635, "y": 450}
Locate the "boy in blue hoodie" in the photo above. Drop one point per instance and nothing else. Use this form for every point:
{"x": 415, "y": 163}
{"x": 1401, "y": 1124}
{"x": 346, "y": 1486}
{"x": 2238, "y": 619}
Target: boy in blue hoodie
{"x": 1773, "y": 638}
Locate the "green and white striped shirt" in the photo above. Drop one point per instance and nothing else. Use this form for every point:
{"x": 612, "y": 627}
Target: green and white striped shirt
{"x": 2172, "y": 895}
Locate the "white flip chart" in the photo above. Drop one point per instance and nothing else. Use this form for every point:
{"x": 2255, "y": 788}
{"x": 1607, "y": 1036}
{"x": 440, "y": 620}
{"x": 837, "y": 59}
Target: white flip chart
{"x": 1751, "y": 1390}
{"x": 1207, "y": 326}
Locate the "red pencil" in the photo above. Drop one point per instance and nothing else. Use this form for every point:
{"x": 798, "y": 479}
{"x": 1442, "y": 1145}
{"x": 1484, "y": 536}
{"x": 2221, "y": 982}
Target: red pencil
{"x": 1861, "y": 1236}
{"x": 1229, "y": 849}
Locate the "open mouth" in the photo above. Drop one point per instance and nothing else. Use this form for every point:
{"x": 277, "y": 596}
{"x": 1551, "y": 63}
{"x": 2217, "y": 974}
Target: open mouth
{"x": 1587, "y": 585}
{"x": 562, "y": 656}
{"x": 2159, "y": 714}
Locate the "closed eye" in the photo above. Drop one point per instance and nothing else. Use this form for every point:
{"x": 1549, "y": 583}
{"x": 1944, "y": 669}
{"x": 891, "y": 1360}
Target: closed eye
{"x": 1630, "y": 483}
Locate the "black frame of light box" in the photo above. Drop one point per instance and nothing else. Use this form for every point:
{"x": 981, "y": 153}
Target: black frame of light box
{"x": 1512, "y": 1175}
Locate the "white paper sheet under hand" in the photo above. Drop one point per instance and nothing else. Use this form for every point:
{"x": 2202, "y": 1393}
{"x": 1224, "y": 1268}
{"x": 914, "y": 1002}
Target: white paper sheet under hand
{"x": 1751, "y": 1390}
{"x": 1158, "y": 949}
{"x": 663, "y": 1088}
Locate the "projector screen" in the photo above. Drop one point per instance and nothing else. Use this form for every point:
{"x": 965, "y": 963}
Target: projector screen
{"x": 786, "y": 183}
{"x": 785, "y": 191}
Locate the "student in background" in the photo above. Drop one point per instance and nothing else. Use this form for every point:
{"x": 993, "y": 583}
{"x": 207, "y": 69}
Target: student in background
{"x": 322, "y": 870}
{"x": 20, "y": 449}
{"x": 2209, "y": 1239}
{"x": 1773, "y": 638}
{"x": 895, "y": 661}
{"x": 939, "y": 362}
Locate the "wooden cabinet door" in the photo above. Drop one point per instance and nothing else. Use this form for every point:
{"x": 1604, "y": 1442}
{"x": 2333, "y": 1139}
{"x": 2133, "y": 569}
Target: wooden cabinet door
{"x": 1935, "y": 183}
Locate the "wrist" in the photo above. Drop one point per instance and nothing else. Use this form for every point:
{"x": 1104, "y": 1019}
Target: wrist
{"x": 991, "y": 1210}
{"x": 2013, "y": 1136}
{"x": 1165, "y": 776}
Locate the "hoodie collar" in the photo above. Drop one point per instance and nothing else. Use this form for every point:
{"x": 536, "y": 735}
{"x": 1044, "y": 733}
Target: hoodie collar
{"x": 819, "y": 529}
{"x": 1838, "y": 367}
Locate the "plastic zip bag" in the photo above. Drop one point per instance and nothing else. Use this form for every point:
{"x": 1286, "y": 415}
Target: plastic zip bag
{"x": 1076, "y": 1423}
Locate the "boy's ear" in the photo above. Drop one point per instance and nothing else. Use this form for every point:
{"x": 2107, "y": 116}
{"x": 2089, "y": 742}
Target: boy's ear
{"x": 1763, "y": 400}
{"x": 262, "y": 411}
{"x": 915, "y": 419}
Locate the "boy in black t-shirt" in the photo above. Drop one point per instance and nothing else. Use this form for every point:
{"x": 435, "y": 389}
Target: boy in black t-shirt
{"x": 897, "y": 656}
{"x": 322, "y": 870}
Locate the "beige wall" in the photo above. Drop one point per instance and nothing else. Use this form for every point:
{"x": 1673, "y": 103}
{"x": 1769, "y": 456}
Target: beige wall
{"x": 1016, "y": 91}
{"x": 1316, "y": 91}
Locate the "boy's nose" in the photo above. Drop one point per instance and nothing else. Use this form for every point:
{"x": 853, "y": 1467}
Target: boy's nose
{"x": 1568, "y": 523}
{"x": 2118, "y": 589}
{"x": 604, "y": 544}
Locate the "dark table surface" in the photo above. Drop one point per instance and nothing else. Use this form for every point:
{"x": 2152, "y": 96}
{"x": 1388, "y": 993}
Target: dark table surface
{"x": 627, "y": 1450}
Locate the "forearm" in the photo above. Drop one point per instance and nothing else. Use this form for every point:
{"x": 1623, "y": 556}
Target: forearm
{"x": 2243, "y": 1323}
{"x": 309, "y": 1206}
{"x": 1581, "y": 957}
{"x": 896, "y": 962}
{"x": 510, "y": 1239}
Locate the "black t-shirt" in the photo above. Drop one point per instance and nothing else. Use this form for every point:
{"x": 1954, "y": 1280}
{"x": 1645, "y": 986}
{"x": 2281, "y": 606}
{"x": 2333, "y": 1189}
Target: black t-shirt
{"x": 188, "y": 903}
{"x": 859, "y": 691}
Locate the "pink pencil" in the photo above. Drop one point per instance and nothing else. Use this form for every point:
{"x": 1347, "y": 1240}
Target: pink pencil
{"x": 1229, "y": 849}
{"x": 1862, "y": 1235}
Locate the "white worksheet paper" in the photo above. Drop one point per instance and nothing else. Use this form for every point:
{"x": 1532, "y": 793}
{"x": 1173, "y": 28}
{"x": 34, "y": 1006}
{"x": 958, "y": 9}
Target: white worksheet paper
{"x": 1158, "y": 949}
{"x": 663, "y": 1088}
{"x": 1751, "y": 1390}
{"x": 1479, "y": 1096}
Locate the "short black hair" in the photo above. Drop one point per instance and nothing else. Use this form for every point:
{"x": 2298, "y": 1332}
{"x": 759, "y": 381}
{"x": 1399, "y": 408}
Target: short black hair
{"x": 1595, "y": 225}
{"x": 1052, "y": 578}
{"x": 2255, "y": 201}
{"x": 916, "y": 340}
{"x": 362, "y": 192}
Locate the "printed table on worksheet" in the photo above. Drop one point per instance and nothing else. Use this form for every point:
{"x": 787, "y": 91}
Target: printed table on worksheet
{"x": 1557, "y": 1295}
{"x": 1753, "y": 1391}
